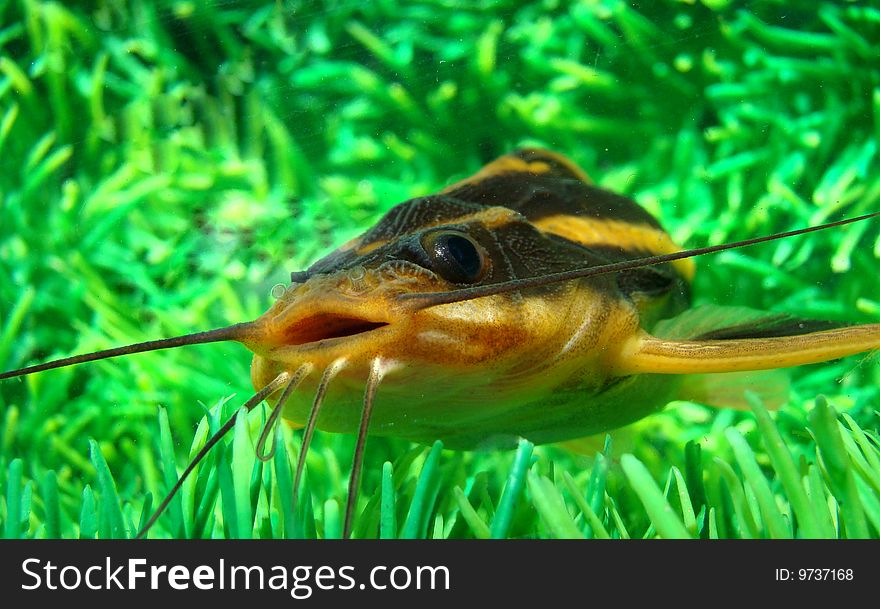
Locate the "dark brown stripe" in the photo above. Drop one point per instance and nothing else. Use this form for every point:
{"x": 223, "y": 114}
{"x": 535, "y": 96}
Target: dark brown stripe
{"x": 412, "y": 215}
{"x": 402, "y": 219}
{"x": 538, "y": 196}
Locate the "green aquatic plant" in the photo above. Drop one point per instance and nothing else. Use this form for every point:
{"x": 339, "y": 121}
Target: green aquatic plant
{"x": 164, "y": 164}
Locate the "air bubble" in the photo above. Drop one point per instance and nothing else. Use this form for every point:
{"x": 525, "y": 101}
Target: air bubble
{"x": 278, "y": 291}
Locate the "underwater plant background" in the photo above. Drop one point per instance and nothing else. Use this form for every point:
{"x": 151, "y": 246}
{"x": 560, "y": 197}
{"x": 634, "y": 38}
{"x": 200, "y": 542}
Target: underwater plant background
{"x": 164, "y": 164}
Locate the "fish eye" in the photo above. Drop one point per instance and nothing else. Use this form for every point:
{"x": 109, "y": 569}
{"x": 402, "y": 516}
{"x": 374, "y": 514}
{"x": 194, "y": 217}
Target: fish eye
{"x": 456, "y": 257}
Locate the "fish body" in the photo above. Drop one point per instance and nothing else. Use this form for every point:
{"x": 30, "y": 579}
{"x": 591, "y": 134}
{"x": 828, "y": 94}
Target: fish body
{"x": 546, "y": 363}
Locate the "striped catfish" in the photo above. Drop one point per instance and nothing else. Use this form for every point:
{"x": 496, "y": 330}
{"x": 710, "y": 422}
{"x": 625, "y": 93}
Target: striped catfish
{"x": 522, "y": 302}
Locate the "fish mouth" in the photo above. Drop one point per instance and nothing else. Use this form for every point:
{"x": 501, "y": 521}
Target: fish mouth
{"x": 320, "y": 327}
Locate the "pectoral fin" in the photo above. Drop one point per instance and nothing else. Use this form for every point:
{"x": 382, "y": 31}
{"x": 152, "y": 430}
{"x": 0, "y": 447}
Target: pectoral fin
{"x": 764, "y": 346}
